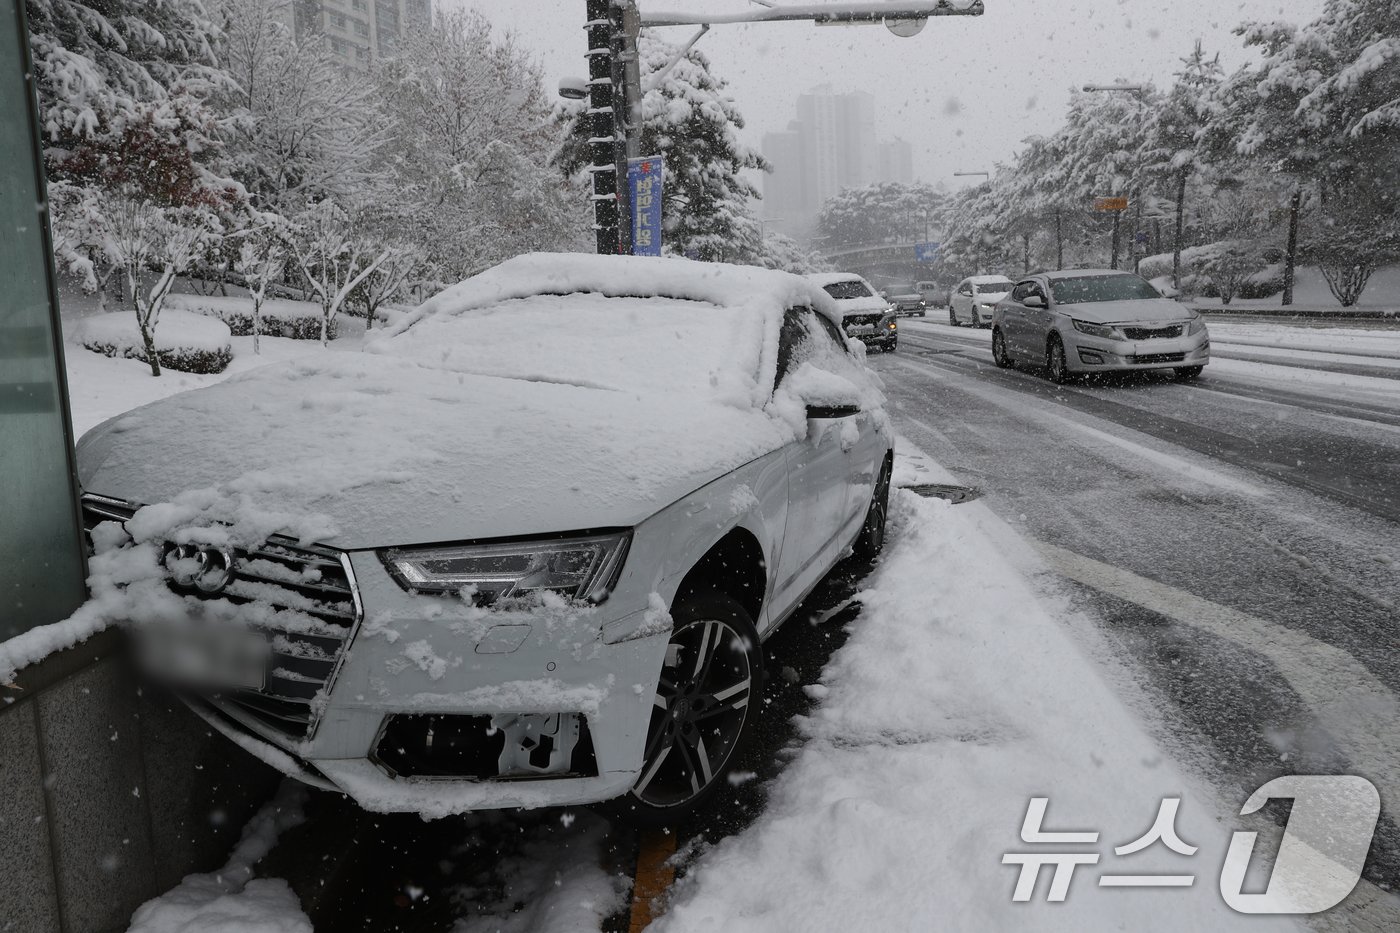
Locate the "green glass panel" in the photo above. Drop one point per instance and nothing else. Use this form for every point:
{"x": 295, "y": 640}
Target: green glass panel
{"x": 41, "y": 558}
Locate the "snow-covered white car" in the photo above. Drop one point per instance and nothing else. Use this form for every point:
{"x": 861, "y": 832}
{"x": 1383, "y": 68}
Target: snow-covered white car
{"x": 1097, "y": 320}
{"x": 975, "y": 298}
{"x": 865, "y": 314}
{"x": 524, "y": 550}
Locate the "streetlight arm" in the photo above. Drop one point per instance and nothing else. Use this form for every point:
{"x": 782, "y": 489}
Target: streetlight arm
{"x": 822, "y": 13}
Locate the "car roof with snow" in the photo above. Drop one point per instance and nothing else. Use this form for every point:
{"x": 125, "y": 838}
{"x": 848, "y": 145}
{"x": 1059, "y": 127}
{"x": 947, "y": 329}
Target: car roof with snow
{"x": 832, "y": 278}
{"x": 1082, "y": 273}
{"x": 988, "y": 279}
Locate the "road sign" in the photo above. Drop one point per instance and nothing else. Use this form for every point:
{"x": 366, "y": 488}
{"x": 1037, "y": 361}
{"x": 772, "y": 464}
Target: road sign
{"x": 1110, "y": 204}
{"x": 926, "y": 252}
{"x": 645, "y": 177}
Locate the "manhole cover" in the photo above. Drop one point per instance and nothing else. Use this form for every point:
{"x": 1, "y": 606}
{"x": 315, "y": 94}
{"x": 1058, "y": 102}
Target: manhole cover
{"x": 954, "y": 494}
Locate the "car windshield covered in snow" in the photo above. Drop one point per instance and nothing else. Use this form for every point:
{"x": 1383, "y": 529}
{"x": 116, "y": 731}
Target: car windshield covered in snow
{"x": 1087, "y": 289}
{"x": 843, "y": 291}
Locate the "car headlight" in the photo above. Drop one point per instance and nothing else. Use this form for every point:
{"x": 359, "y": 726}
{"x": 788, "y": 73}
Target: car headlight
{"x": 1196, "y": 326}
{"x": 1097, "y": 330}
{"x": 889, "y": 321}
{"x": 577, "y": 568}
{"x": 989, "y": 308}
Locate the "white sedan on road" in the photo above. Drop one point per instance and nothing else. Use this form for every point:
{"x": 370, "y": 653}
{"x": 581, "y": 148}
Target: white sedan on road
{"x": 975, "y": 297}
{"x": 1097, "y": 320}
{"x": 521, "y": 552}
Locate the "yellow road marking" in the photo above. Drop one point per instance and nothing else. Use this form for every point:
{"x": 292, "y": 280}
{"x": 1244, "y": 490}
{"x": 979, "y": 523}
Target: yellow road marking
{"x": 653, "y": 877}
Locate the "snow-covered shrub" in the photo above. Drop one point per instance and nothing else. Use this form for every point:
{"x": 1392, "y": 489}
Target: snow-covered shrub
{"x": 299, "y": 320}
{"x": 1265, "y": 283}
{"x": 187, "y": 342}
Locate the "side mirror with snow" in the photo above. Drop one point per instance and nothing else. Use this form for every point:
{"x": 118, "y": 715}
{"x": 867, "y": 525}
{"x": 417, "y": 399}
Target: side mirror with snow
{"x": 821, "y": 412}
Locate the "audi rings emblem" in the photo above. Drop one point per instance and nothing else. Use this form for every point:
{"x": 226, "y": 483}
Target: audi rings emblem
{"x": 199, "y": 566}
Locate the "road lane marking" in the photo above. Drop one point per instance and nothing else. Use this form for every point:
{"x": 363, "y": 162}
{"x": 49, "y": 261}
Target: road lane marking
{"x": 1356, "y": 709}
{"x": 1360, "y": 713}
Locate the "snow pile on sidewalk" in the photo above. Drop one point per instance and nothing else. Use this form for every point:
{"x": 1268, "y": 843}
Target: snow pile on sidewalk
{"x": 185, "y": 341}
{"x": 958, "y": 697}
{"x": 231, "y": 900}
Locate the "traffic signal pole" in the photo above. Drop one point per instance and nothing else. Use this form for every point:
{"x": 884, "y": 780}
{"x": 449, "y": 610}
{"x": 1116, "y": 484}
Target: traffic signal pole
{"x": 614, "y": 86}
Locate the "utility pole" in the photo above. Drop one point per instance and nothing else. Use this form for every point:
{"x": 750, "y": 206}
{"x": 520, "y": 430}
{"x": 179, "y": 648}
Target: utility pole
{"x": 614, "y": 87}
{"x": 1290, "y": 262}
{"x": 603, "y": 107}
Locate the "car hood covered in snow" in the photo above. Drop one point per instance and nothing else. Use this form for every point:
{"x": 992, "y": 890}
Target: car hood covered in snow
{"x": 551, "y": 393}
{"x": 1140, "y": 310}
{"x": 375, "y": 451}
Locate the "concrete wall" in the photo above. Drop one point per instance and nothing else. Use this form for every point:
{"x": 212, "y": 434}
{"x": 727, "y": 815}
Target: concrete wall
{"x": 110, "y": 793}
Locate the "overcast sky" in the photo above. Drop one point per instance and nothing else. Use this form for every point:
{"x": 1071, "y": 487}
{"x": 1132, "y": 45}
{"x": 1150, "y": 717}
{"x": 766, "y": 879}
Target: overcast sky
{"x": 964, "y": 92}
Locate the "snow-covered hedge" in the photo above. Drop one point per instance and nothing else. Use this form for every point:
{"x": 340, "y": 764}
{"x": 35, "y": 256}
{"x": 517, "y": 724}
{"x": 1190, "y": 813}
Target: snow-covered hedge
{"x": 281, "y": 317}
{"x": 1201, "y": 266}
{"x": 187, "y": 342}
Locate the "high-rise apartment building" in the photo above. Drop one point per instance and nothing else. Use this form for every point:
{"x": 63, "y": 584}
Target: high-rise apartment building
{"x": 830, "y": 147}
{"x": 360, "y": 31}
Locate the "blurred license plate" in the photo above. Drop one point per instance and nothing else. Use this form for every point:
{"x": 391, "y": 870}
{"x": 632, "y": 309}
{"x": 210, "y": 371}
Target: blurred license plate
{"x": 868, "y": 331}
{"x": 216, "y": 657}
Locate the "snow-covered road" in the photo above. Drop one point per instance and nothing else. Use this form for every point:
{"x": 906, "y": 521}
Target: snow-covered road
{"x": 1234, "y": 540}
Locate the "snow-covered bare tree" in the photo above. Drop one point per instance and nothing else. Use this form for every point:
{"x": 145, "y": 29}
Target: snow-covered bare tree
{"x": 888, "y": 212}
{"x": 302, "y": 126}
{"x": 261, "y": 261}
{"x": 333, "y": 256}
{"x": 154, "y": 245}
{"x": 473, "y": 135}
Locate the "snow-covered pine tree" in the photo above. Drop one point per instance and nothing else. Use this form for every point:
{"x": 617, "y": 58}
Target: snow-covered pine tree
{"x": 1323, "y": 106}
{"x": 1175, "y": 147}
{"x": 691, "y": 121}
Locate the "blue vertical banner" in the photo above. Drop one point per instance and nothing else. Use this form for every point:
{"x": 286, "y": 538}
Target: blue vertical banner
{"x": 645, "y": 178}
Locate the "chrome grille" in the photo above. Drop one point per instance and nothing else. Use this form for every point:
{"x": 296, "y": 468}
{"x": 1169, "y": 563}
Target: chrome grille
{"x": 1153, "y": 333}
{"x": 311, "y": 580}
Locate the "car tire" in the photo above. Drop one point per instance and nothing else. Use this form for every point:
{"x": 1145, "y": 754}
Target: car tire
{"x": 1056, "y": 366}
{"x": 871, "y": 540}
{"x": 1188, "y": 373}
{"x": 999, "y": 354}
{"x": 700, "y": 720}
{"x": 953, "y": 317}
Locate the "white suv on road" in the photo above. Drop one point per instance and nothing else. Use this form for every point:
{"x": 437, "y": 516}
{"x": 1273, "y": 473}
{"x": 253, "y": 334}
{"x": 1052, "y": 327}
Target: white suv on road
{"x": 523, "y": 551}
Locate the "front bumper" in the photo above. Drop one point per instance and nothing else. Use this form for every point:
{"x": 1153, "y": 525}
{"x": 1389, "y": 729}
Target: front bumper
{"x": 884, "y": 338}
{"x": 1084, "y": 353}
{"x": 417, "y": 657}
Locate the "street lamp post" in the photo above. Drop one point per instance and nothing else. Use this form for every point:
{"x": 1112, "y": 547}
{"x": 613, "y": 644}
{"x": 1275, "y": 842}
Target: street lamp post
{"x": 614, "y": 87}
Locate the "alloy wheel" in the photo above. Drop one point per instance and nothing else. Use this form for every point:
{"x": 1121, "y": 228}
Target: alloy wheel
{"x": 1055, "y": 362}
{"x": 999, "y": 354}
{"x": 698, "y": 713}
